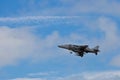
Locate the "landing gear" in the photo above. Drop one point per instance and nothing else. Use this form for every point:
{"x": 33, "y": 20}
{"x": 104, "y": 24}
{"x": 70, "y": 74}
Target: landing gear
{"x": 81, "y": 55}
{"x": 96, "y": 53}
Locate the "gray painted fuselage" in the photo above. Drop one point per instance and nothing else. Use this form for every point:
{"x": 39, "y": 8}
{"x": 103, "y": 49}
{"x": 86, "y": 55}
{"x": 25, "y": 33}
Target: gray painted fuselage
{"x": 80, "y": 49}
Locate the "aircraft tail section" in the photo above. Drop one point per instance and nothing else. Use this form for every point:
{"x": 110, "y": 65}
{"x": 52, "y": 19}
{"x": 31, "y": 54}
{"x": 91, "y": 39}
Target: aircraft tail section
{"x": 96, "y": 49}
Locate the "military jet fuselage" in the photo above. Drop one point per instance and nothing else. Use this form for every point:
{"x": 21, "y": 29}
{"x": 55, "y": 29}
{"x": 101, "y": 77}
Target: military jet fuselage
{"x": 80, "y": 49}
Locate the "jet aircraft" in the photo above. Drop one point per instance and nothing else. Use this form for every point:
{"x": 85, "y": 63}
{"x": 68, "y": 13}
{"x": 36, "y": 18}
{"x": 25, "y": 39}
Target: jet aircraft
{"x": 80, "y": 50}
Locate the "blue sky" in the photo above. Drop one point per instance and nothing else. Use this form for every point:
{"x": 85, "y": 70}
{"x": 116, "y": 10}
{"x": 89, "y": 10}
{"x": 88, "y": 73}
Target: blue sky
{"x": 30, "y": 31}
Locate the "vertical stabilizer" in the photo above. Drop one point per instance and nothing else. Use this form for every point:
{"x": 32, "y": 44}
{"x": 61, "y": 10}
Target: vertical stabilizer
{"x": 96, "y": 49}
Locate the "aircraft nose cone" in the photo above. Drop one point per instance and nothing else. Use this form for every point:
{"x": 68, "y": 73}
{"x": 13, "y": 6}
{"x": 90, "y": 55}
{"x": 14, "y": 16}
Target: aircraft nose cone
{"x": 64, "y": 46}
{"x": 60, "y": 46}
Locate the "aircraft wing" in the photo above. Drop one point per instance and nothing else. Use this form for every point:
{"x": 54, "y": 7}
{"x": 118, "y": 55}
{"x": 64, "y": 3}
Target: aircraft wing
{"x": 82, "y": 47}
{"x": 80, "y": 54}
{"x": 81, "y": 50}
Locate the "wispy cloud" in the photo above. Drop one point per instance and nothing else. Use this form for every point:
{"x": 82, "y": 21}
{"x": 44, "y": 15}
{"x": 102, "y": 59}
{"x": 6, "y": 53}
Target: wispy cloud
{"x": 115, "y": 75}
{"x": 37, "y": 20}
{"x": 73, "y": 7}
{"x": 42, "y": 74}
{"x": 26, "y": 18}
{"x": 111, "y": 75}
{"x": 29, "y": 79}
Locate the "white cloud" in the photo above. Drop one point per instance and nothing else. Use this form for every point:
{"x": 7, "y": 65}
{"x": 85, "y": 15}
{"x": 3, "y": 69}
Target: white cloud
{"x": 42, "y": 74}
{"x": 28, "y": 79}
{"x": 110, "y": 33}
{"x": 115, "y": 61}
{"x": 34, "y": 18}
{"x": 99, "y": 7}
{"x": 110, "y": 75}
{"x": 106, "y": 75}
{"x": 37, "y": 20}
{"x": 21, "y": 43}
{"x": 75, "y": 7}
{"x": 15, "y": 44}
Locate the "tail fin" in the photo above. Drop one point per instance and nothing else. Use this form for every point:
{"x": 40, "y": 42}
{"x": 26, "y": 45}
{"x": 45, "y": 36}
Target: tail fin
{"x": 96, "y": 49}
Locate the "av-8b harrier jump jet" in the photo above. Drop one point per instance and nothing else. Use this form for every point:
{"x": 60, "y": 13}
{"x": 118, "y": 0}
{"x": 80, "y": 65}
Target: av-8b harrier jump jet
{"x": 80, "y": 50}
